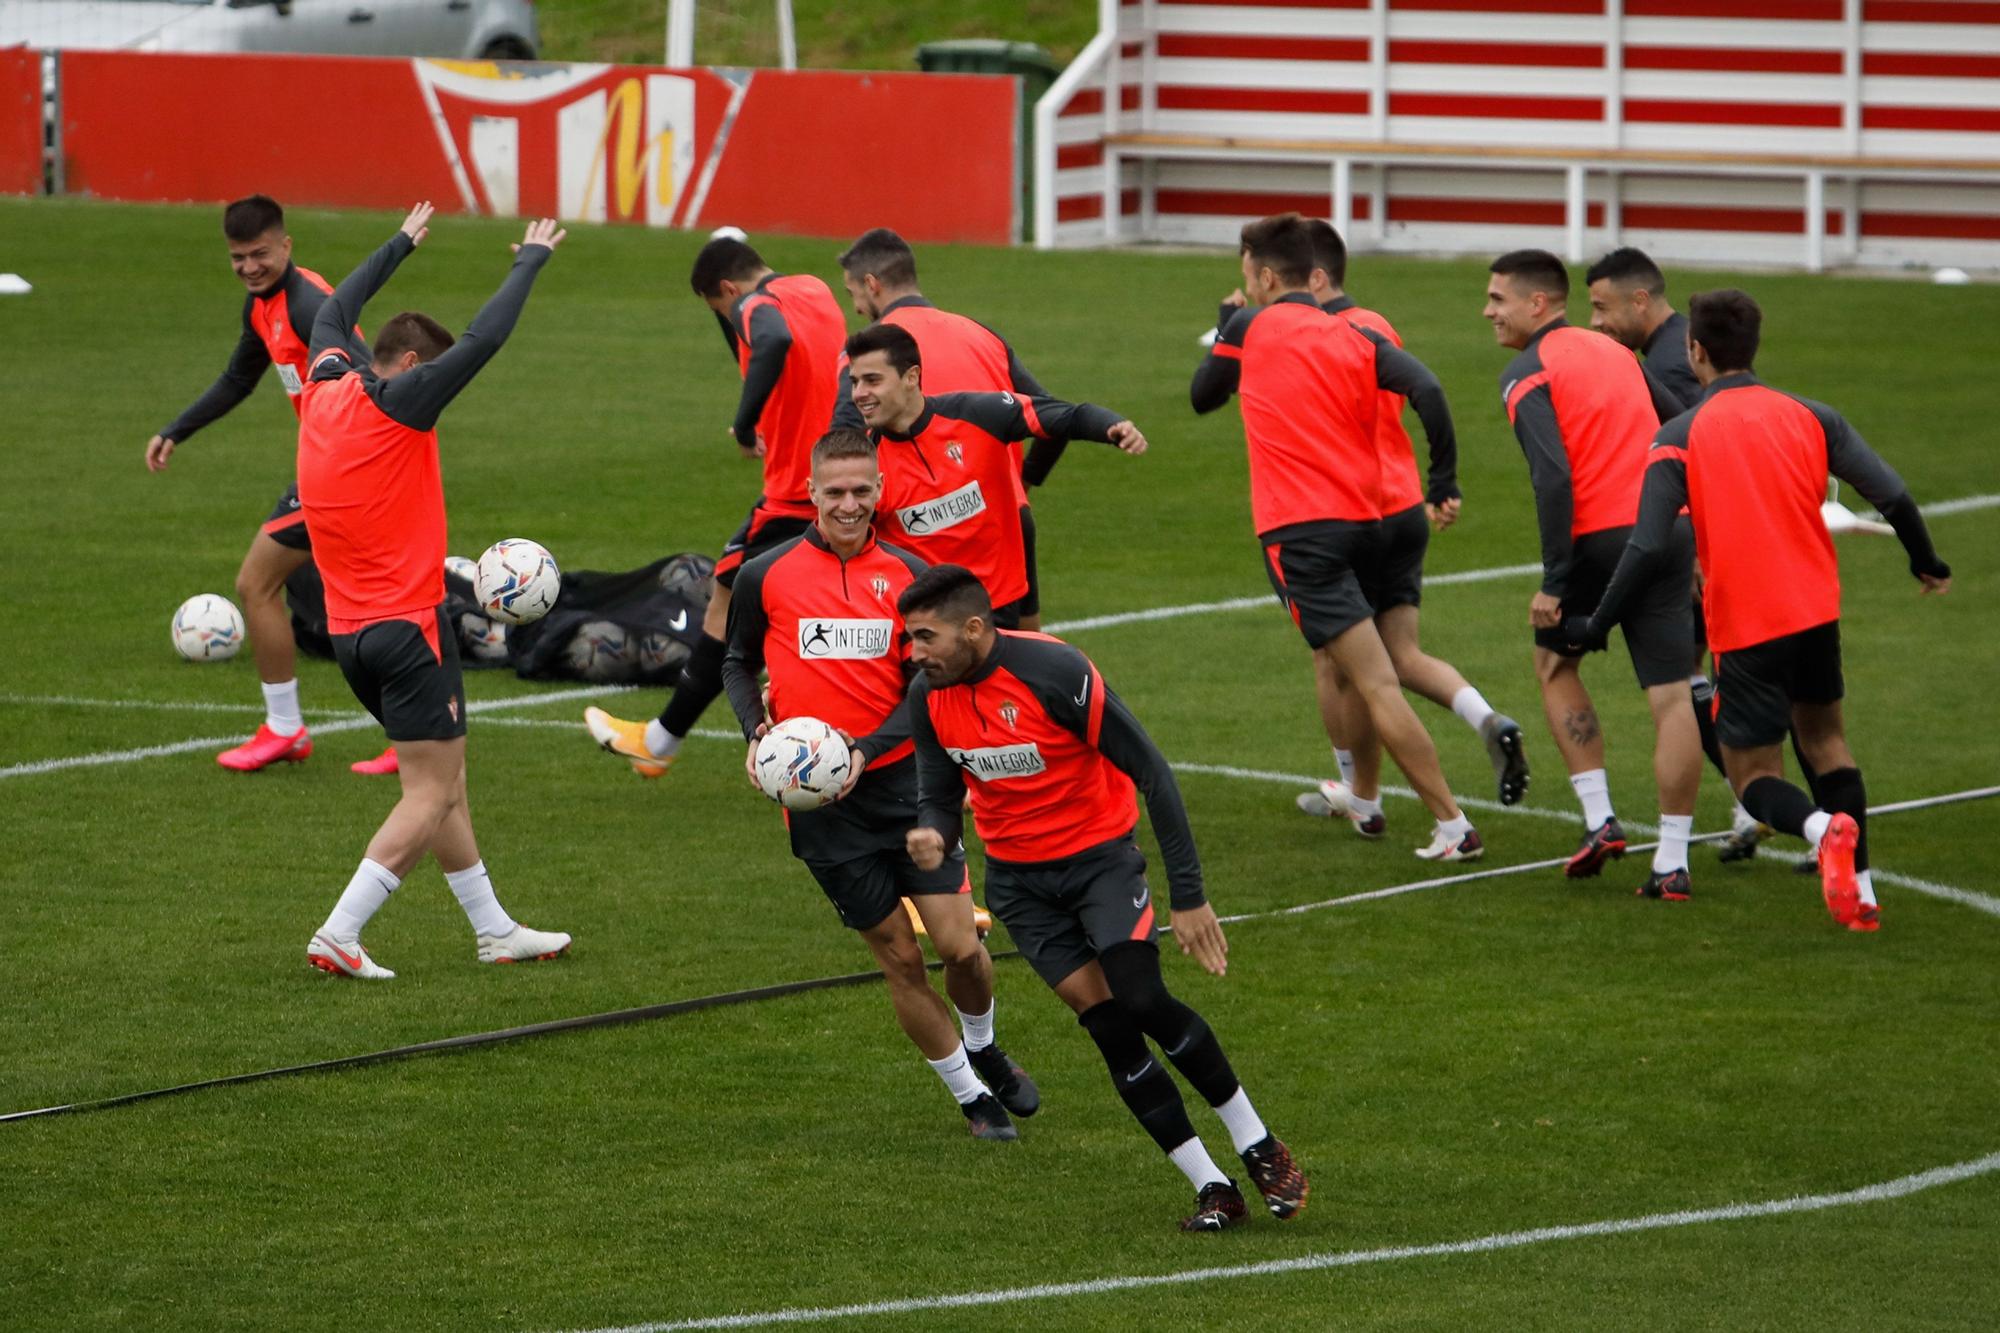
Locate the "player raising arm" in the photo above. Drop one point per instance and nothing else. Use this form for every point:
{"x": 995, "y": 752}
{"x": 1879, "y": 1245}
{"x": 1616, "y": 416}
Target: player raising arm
{"x": 278, "y": 315}
{"x": 1051, "y": 756}
{"x": 819, "y": 612}
{"x": 1750, "y": 463}
{"x": 370, "y": 486}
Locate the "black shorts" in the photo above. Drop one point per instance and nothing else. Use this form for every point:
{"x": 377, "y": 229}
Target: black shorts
{"x": 1755, "y": 687}
{"x": 1030, "y": 605}
{"x": 1316, "y": 570}
{"x": 1063, "y": 914}
{"x": 287, "y": 524}
{"x": 1659, "y": 620}
{"x": 764, "y": 528}
{"x": 407, "y": 676}
{"x": 1395, "y": 577}
{"x": 855, "y": 848}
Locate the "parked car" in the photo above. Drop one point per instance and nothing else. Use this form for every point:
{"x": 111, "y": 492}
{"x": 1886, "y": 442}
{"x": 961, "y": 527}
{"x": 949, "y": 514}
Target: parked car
{"x": 459, "y": 29}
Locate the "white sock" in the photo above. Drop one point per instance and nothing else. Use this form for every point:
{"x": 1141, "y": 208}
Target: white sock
{"x": 1195, "y": 1163}
{"x": 1866, "y": 879}
{"x": 1240, "y": 1119}
{"x": 362, "y": 898}
{"x": 1345, "y": 760}
{"x": 1741, "y": 820}
{"x": 1672, "y": 853}
{"x": 1472, "y": 708}
{"x": 1363, "y": 806}
{"x": 1816, "y": 823}
{"x": 1455, "y": 829}
{"x": 281, "y": 708}
{"x": 663, "y": 743}
{"x": 958, "y": 1076}
{"x": 978, "y": 1029}
{"x": 474, "y": 889}
{"x": 1594, "y": 790}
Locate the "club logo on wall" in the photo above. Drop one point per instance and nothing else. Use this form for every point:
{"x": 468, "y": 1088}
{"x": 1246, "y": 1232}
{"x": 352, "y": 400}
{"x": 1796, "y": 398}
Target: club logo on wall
{"x": 587, "y": 142}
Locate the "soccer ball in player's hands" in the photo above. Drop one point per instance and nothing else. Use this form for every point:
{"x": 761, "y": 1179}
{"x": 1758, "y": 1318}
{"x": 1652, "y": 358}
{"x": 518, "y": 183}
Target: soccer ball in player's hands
{"x": 516, "y": 581}
{"x": 802, "y": 763}
{"x": 207, "y": 628}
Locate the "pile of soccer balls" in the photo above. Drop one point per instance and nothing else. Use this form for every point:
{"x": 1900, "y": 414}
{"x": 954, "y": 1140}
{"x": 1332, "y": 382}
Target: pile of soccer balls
{"x": 515, "y": 581}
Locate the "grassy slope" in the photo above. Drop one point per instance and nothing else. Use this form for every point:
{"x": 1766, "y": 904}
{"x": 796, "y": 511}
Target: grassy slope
{"x": 830, "y": 35}
{"x": 1517, "y": 1053}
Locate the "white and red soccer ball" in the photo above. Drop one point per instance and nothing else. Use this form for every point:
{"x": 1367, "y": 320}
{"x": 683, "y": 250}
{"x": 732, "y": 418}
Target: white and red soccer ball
{"x": 516, "y": 581}
{"x": 802, "y": 763}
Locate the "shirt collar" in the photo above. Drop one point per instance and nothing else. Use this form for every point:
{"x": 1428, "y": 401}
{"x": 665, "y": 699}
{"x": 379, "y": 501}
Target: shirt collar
{"x": 913, "y": 300}
{"x": 817, "y": 539}
{"x": 1559, "y": 322}
{"x": 1340, "y": 303}
{"x": 1674, "y": 323}
{"x": 917, "y": 427}
{"x": 1735, "y": 379}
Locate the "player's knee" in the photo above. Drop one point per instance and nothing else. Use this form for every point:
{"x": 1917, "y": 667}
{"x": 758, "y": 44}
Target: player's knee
{"x": 1551, "y": 667}
{"x": 958, "y": 950}
{"x": 1132, "y": 970}
{"x": 1117, "y": 1036}
{"x": 903, "y": 964}
{"x": 256, "y": 585}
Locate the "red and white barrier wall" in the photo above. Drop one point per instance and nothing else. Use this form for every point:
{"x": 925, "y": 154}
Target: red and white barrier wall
{"x": 763, "y": 150}
{"x": 1855, "y": 82}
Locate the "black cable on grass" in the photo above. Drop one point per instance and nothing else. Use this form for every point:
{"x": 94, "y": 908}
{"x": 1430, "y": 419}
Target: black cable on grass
{"x": 444, "y": 1045}
{"x": 647, "y": 1013}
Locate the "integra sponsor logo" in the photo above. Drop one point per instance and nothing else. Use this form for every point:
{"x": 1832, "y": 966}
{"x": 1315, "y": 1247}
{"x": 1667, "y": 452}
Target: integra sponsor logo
{"x": 847, "y": 640}
{"x": 1000, "y": 762}
{"x": 945, "y": 511}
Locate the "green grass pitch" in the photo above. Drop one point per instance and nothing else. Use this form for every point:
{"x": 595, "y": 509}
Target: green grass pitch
{"x": 1480, "y": 1059}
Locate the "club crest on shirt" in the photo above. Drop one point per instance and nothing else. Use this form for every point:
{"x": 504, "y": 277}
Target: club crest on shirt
{"x": 880, "y": 587}
{"x": 1008, "y": 713}
{"x": 956, "y": 453}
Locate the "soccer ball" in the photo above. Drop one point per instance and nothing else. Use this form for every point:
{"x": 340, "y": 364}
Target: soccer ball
{"x": 802, "y": 763}
{"x": 208, "y": 628}
{"x": 516, "y": 581}
{"x": 481, "y": 639}
{"x": 461, "y": 567}
{"x": 599, "y": 650}
{"x": 660, "y": 653}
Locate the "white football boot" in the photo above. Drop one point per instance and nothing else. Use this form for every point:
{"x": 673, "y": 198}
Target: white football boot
{"x": 522, "y": 944}
{"x": 344, "y": 958}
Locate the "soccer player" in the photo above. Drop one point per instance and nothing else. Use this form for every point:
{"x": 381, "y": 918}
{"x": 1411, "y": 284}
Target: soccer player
{"x": 1052, "y": 756}
{"x": 819, "y": 613}
{"x": 370, "y": 488}
{"x": 1311, "y": 386}
{"x": 278, "y": 315}
{"x": 960, "y": 355}
{"x": 1583, "y": 410}
{"x": 1750, "y": 463}
{"x": 948, "y": 476}
{"x": 1628, "y": 302}
{"x": 1393, "y": 584}
{"x": 785, "y": 331}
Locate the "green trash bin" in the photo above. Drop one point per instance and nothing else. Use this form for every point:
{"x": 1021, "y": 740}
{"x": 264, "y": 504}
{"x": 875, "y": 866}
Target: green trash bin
{"x": 1029, "y": 62}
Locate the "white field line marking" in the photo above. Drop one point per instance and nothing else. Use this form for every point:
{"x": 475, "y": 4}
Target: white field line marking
{"x": 1900, "y": 1187}
{"x": 348, "y": 723}
{"x": 1964, "y": 504}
